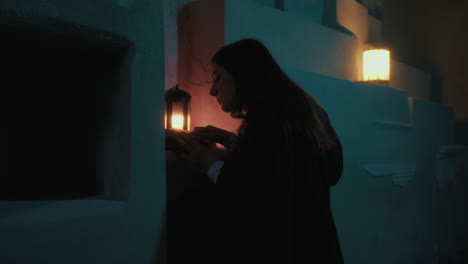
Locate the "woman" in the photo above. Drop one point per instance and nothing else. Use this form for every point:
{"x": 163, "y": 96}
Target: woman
{"x": 272, "y": 186}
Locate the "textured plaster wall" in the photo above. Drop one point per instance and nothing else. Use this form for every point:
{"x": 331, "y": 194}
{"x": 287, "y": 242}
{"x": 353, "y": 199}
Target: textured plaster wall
{"x": 374, "y": 31}
{"x": 376, "y": 220}
{"x": 310, "y": 10}
{"x": 171, "y": 9}
{"x": 294, "y": 42}
{"x": 354, "y": 17}
{"x": 406, "y": 78}
{"x": 89, "y": 231}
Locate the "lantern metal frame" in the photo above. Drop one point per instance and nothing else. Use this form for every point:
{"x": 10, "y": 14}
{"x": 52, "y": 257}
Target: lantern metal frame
{"x": 177, "y": 95}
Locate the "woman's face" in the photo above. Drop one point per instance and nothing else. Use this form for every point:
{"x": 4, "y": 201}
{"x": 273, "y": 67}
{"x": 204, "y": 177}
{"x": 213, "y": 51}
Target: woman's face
{"x": 223, "y": 88}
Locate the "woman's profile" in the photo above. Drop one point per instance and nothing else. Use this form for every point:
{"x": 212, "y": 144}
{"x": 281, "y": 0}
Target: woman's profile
{"x": 272, "y": 182}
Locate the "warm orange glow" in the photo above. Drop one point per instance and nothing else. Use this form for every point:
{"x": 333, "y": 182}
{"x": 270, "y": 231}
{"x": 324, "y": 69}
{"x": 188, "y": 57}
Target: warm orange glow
{"x": 188, "y": 122}
{"x": 376, "y": 65}
{"x": 178, "y": 121}
{"x": 177, "y": 117}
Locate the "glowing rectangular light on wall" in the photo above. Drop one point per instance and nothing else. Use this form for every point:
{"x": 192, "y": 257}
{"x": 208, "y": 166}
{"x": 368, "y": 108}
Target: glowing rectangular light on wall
{"x": 377, "y": 65}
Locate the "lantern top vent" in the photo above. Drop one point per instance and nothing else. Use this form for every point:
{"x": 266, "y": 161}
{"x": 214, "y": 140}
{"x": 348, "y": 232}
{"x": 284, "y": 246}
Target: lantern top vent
{"x": 176, "y": 95}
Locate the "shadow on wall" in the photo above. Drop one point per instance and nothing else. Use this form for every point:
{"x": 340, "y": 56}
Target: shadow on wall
{"x": 329, "y": 18}
{"x": 461, "y": 132}
{"x": 437, "y": 87}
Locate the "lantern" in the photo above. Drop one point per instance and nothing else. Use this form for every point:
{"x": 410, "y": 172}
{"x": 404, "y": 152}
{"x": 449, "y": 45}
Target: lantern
{"x": 376, "y": 66}
{"x": 177, "y": 109}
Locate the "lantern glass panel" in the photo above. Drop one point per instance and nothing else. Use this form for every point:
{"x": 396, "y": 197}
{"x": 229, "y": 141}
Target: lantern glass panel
{"x": 178, "y": 118}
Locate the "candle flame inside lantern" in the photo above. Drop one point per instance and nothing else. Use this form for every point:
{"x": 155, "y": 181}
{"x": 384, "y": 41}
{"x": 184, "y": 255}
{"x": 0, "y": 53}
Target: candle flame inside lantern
{"x": 178, "y": 121}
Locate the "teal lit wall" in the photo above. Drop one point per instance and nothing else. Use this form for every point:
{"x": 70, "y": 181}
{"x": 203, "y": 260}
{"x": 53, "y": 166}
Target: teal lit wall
{"x": 377, "y": 221}
{"x": 294, "y": 42}
{"x": 270, "y": 3}
{"x": 101, "y": 231}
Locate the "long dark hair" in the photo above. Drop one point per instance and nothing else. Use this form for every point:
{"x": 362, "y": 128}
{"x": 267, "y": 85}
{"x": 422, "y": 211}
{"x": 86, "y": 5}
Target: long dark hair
{"x": 270, "y": 97}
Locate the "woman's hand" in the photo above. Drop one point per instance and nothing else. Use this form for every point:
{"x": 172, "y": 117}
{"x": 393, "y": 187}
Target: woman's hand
{"x": 214, "y": 134}
{"x": 199, "y": 153}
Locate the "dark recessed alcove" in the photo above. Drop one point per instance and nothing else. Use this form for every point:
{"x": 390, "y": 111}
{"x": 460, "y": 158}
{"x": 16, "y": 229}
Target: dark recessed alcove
{"x": 64, "y": 107}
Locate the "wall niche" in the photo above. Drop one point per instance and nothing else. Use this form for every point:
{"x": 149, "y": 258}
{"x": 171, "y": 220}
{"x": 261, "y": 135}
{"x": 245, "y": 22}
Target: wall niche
{"x": 64, "y": 104}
